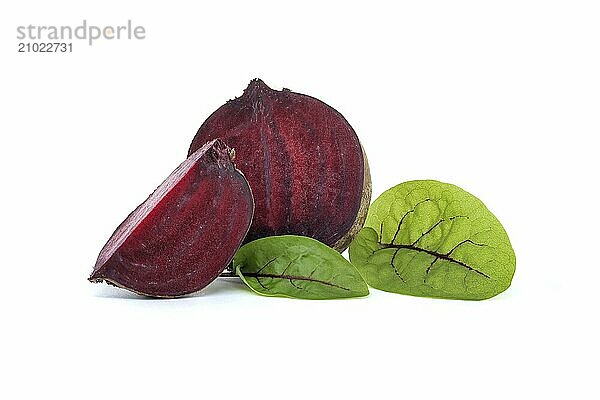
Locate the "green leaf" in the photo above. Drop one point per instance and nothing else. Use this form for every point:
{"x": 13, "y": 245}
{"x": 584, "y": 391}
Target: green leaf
{"x": 299, "y": 267}
{"x": 433, "y": 239}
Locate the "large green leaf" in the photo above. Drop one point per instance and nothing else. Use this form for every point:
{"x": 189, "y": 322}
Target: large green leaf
{"x": 299, "y": 267}
{"x": 433, "y": 239}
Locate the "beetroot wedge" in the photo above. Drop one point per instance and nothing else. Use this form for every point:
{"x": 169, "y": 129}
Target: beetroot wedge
{"x": 186, "y": 233}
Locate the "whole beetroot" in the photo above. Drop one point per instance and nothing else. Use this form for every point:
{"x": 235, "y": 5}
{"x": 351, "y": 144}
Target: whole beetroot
{"x": 305, "y": 165}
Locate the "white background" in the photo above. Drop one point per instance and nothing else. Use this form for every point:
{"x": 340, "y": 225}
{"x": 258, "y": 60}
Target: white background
{"x": 499, "y": 97}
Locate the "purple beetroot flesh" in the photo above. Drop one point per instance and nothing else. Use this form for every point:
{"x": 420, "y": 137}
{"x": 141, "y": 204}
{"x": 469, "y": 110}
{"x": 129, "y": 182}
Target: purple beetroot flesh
{"x": 303, "y": 160}
{"x": 186, "y": 233}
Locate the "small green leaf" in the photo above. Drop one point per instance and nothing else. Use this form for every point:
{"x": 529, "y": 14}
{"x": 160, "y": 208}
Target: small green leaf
{"x": 433, "y": 239}
{"x": 299, "y": 267}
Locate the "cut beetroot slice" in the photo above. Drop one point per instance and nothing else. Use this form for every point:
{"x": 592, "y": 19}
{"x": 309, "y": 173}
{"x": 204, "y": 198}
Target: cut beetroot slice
{"x": 305, "y": 164}
{"x": 186, "y": 233}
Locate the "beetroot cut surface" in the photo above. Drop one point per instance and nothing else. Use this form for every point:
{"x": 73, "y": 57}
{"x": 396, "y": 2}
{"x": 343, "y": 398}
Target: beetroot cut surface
{"x": 304, "y": 162}
{"x": 186, "y": 233}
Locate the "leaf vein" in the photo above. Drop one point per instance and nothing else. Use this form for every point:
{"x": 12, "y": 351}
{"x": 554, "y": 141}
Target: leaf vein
{"x": 295, "y": 278}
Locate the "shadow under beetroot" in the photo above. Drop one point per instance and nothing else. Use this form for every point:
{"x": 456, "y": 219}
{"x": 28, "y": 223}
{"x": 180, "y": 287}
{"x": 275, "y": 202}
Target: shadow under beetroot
{"x": 219, "y": 287}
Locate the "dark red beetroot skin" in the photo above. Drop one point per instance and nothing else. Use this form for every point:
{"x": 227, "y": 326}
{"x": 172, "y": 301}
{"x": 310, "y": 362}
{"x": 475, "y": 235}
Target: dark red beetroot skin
{"x": 303, "y": 160}
{"x": 186, "y": 233}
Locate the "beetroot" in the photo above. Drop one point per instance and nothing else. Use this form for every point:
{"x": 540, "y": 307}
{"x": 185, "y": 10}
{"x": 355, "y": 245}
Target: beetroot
{"x": 186, "y": 233}
{"x": 308, "y": 173}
